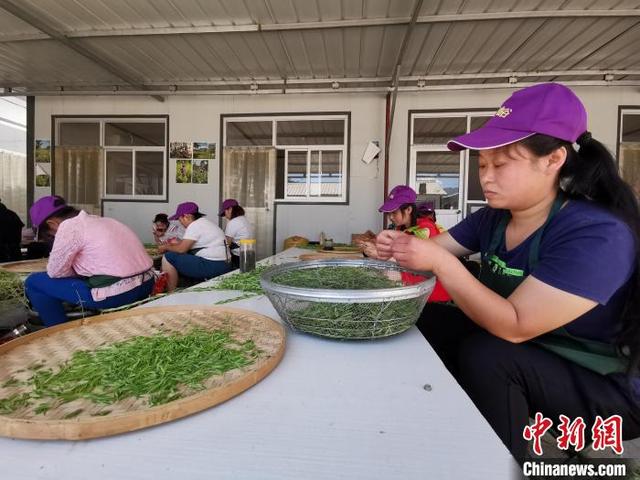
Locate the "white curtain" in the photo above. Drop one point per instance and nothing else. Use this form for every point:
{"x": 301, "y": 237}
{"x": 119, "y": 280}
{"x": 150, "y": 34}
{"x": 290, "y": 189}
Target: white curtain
{"x": 78, "y": 176}
{"x": 13, "y": 182}
{"x": 249, "y": 177}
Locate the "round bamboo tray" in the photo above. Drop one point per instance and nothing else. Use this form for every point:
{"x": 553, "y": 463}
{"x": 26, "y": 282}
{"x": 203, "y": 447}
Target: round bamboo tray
{"x": 53, "y": 346}
{"x": 26, "y": 266}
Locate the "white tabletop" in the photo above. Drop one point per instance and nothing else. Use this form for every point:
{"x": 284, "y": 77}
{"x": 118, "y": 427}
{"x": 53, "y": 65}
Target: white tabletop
{"x": 330, "y": 410}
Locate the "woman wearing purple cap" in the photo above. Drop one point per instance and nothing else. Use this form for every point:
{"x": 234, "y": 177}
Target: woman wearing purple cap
{"x": 95, "y": 262}
{"x": 552, "y": 323}
{"x": 202, "y": 252}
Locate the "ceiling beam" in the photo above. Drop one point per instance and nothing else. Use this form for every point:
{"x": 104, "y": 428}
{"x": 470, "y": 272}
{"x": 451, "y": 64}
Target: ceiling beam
{"x": 44, "y": 26}
{"x": 179, "y": 86}
{"x": 363, "y": 22}
{"x": 272, "y": 91}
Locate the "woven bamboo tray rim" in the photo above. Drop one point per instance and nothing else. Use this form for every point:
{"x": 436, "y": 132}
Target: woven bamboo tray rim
{"x": 26, "y": 266}
{"x": 54, "y": 345}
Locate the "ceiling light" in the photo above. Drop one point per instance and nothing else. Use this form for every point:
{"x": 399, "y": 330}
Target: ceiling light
{"x": 513, "y": 80}
{"x": 608, "y": 77}
{"x": 335, "y": 85}
{"x": 173, "y": 88}
{"x": 254, "y": 86}
{"x": 422, "y": 83}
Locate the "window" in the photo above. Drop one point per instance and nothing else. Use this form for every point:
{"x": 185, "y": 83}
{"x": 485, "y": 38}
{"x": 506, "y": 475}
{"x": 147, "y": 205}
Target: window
{"x": 118, "y": 159}
{"x": 629, "y": 151}
{"x": 447, "y": 179}
{"x": 311, "y": 160}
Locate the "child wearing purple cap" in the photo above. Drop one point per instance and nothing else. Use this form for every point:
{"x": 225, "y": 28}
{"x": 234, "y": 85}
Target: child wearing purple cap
{"x": 95, "y": 262}
{"x": 202, "y": 252}
{"x": 405, "y": 216}
{"x": 552, "y": 323}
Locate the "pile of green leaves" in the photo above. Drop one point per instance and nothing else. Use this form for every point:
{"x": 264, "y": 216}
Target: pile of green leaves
{"x": 11, "y": 290}
{"x": 336, "y": 278}
{"x": 245, "y": 282}
{"x": 159, "y": 368}
{"x": 356, "y": 320}
{"x": 348, "y": 320}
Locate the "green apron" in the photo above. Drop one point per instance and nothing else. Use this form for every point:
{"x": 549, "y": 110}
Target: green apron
{"x": 101, "y": 281}
{"x": 598, "y": 356}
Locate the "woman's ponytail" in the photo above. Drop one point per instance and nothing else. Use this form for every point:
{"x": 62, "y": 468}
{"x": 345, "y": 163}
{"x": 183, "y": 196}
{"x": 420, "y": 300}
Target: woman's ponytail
{"x": 591, "y": 173}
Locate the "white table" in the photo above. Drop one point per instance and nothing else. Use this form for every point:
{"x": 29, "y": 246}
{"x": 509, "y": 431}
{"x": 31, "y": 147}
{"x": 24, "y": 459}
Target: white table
{"x": 330, "y": 410}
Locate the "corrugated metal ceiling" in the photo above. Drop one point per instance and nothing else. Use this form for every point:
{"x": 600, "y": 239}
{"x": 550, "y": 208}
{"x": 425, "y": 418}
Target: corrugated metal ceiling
{"x": 259, "y": 46}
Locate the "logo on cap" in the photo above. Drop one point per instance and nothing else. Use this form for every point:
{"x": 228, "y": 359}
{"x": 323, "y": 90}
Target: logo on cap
{"x": 503, "y": 112}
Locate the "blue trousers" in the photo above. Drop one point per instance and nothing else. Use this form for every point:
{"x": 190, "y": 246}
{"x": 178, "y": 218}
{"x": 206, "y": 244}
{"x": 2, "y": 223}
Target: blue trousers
{"x": 47, "y": 296}
{"x": 196, "y": 267}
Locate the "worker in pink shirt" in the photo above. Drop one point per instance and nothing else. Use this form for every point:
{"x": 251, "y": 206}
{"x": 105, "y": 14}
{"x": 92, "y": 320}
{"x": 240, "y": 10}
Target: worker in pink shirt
{"x": 95, "y": 262}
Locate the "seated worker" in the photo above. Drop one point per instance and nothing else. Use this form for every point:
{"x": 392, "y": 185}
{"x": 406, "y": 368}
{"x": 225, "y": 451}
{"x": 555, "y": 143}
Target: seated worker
{"x": 202, "y": 252}
{"x": 238, "y": 227}
{"x": 403, "y": 212}
{"x": 165, "y": 231}
{"x": 428, "y": 213}
{"x": 10, "y": 235}
{"x": 95, "y": 262}
{"x": 551, "y": 325}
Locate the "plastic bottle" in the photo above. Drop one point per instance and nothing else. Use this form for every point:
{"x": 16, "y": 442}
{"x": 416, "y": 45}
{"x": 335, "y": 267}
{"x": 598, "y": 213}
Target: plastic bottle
{"x": 247, "y": 254}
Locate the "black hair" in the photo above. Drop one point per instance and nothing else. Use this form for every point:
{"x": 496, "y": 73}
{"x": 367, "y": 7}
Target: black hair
{"x": 237, "y": 211}
{"x": 197, "y": 215}
{"x": 44, "y": 232}
{"x": 591, "y": 173}
{"x": 414, "y": 213}
{"x": 162, "y": 218}
{"x": 426, "y": 212}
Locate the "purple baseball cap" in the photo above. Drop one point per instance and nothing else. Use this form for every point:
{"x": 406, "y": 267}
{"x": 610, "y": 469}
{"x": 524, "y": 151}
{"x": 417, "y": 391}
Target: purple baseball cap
{"x": 184, "y": 208}
{"x": 398, "y": 196}
{"x": 44, "y": 208}
{"x": 228, "y": 203}
{"x": 547, "y": 108}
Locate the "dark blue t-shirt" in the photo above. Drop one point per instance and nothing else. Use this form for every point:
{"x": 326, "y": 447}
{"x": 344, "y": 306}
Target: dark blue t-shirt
{"x": 585, "y": 250}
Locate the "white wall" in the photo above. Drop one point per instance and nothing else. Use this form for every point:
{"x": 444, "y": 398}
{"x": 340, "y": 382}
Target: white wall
{"x": 197, "y": 118}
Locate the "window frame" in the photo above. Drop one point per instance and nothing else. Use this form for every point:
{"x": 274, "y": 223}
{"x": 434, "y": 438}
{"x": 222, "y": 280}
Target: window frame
{"x": 468, "y": 113}
{"x": 56, "y": 120}
{"x": 344, "y": 148}
{"x": 622, "y": 110}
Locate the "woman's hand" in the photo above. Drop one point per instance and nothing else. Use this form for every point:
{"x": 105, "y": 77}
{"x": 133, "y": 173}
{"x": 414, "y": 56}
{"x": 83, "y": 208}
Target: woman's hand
{"x": 369, "y": 249}
{"x": 418, "y": 254}
{"x": 163, "y": 248}
{"x": 384, "y": 243}
{"x": 410, "y": 251}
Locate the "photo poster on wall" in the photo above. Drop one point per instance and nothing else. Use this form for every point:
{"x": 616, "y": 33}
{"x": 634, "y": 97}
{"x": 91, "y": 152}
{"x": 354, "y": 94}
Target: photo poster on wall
{"x": 203, "y": 152}
{"x": 182, "y": 153}
{"x": 192, "y": 161}
{"x": 43, "y": 151}
{"x": 43, "y": 174}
